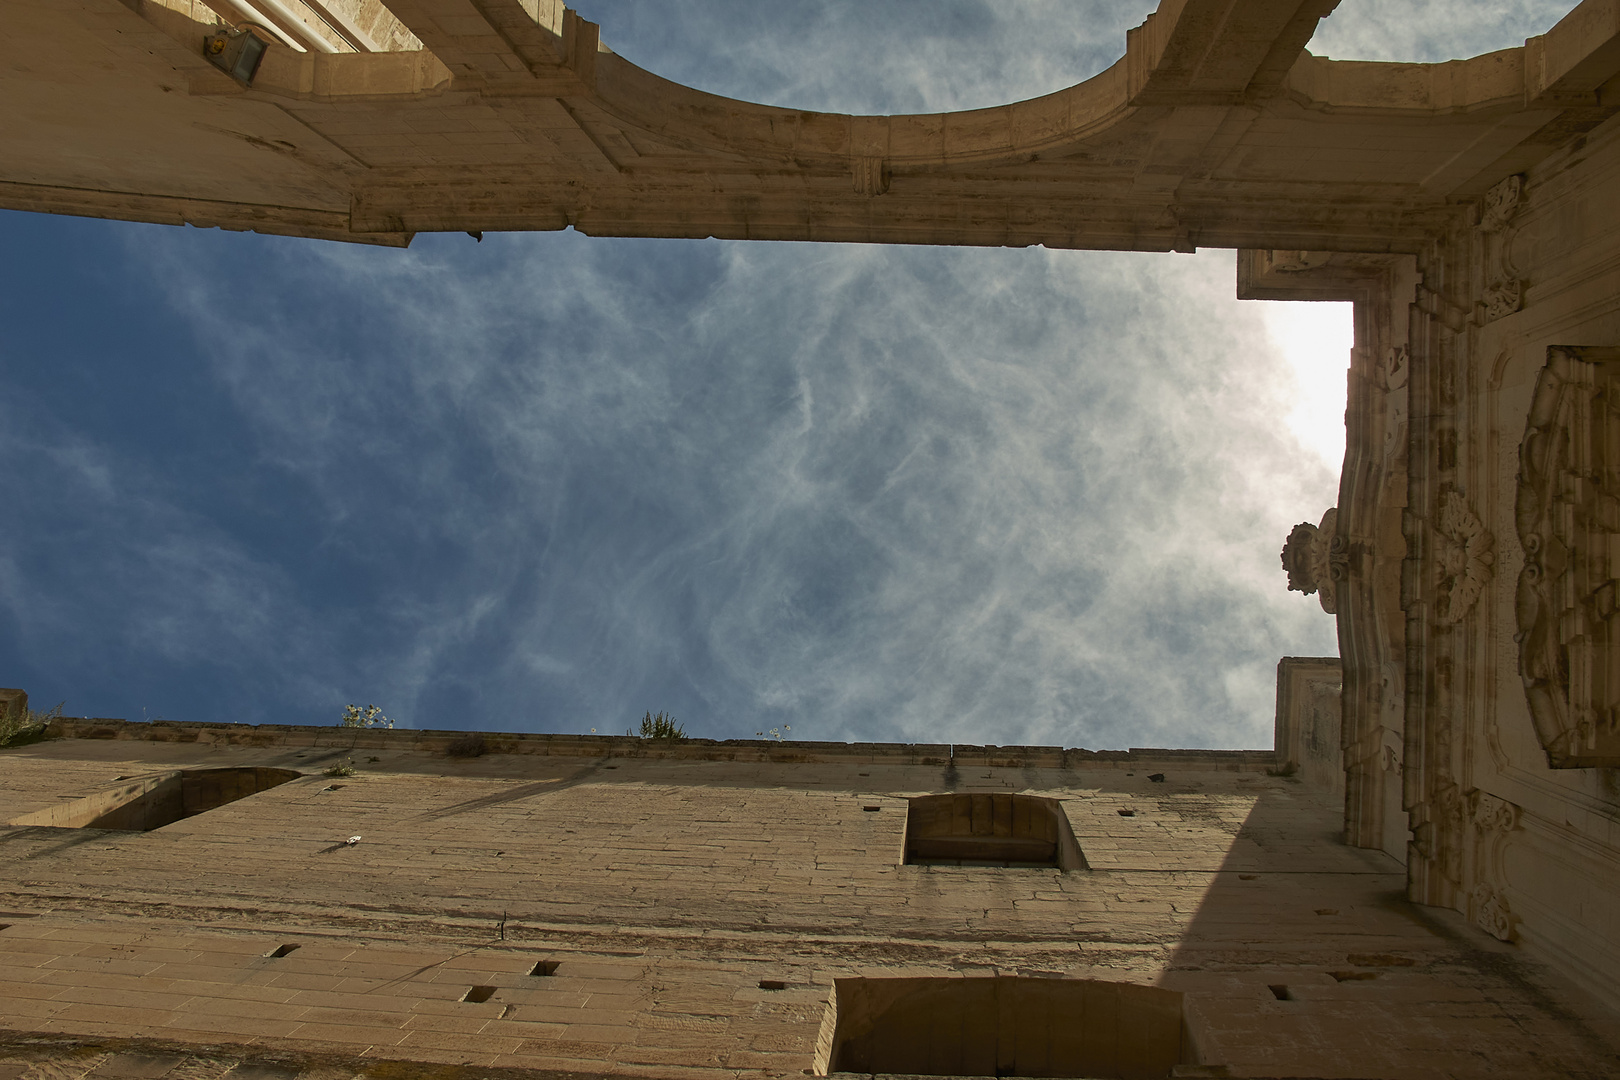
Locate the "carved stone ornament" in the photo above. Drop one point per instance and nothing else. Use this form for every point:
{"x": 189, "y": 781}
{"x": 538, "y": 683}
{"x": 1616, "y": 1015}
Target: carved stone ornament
{"x": 1494, "y": 819}
{"x": 1505, "y": 293}
{"x": 1491, "y": 912}
{"x": 1307, "y": 557}
{"x": 1568, "y": 520}
{"x": 1395, "y": 368}
{"x": 1501, "y": 203}
{"x": 1503, "y": 298}
{"x": 871, "y": 175}
{"x": 1464, "y": 556}
{"x": 1295, "y": 262}
{"x": 1493, "y": 814}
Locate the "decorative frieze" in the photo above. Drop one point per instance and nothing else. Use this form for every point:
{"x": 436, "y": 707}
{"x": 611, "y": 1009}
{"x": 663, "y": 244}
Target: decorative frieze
{"x": 1568, "y": 520}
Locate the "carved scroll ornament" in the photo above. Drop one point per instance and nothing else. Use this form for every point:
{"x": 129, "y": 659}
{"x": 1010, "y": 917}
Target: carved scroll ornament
{"x": 1505, "y": 292}
{"x": 1568, "y": 520}
{"x": 1494, "y": 820}
{"x": 1501, "y": 203}
{"x": 1307, "y": 559}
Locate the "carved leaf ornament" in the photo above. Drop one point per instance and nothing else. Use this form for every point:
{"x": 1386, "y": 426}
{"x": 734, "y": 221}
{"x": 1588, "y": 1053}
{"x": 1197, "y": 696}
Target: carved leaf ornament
{"x": 1307, "y": 559}
{"x": 1568, "y": 520}
{"x": 1465, "y": 557}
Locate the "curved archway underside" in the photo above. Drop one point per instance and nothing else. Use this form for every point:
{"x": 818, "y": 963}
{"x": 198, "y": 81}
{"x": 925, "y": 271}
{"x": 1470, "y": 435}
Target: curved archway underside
{"x": 1215, "y": 129}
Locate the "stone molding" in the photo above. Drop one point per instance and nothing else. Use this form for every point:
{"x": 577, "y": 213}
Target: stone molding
{"x": 1308, "y": 731}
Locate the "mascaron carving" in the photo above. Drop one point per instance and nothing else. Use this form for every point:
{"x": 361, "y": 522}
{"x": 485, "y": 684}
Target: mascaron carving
{"x": 1465, "y": 557}
{"x": 1307, "y": 559}
{"x": 1568, "y": 520}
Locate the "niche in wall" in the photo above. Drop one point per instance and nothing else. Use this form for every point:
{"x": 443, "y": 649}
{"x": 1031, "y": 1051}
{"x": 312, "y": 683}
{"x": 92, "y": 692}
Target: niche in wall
{"x": 990, "y": 830}
{"x": 1002, "y": 1026}
{"x": 151, "y": 802}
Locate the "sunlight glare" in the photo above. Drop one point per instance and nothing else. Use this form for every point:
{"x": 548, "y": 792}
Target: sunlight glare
{"x": 1315, "y": 338}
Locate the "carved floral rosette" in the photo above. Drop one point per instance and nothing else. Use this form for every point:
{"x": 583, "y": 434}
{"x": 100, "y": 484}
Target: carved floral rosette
{"x": 1568, "y": 520}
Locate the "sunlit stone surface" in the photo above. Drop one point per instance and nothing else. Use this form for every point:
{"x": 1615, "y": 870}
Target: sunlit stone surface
{"x": 713, "y": 910}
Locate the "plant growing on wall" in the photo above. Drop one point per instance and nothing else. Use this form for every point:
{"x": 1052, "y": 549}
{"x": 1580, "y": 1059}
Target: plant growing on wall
{"x": 662, "y": 726}
{"x": 368, "y": 717}
{"x": 20, "y": 724}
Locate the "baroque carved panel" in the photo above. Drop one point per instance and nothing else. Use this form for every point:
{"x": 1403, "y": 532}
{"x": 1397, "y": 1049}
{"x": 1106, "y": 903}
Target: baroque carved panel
{"x": 1568, "y": 520}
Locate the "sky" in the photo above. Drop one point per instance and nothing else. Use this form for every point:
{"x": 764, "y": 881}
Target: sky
{"x": 549, "y": 482}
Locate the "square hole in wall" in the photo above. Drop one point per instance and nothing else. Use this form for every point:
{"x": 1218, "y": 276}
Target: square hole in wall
{"x": 477, "y": 994}
{"x": 151, "y": 802}
{"x": 1002, "y": 1026}
{"x": 544, "y": 968}
{"x": 990, "y": 830}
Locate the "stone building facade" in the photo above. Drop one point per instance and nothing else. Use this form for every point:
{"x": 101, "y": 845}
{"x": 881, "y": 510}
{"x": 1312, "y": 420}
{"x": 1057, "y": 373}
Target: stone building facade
{"x": 188, "y": 901}
{"x": 1439, "y": 901}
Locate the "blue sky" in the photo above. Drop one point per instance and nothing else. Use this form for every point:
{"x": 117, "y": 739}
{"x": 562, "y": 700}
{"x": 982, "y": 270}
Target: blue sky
{"x": 549, "y": 482}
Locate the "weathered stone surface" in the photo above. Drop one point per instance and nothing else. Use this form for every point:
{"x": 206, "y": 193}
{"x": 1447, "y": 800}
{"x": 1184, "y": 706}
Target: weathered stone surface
{"x": 1215, "y": 129}
{"x": 1468, "y": 211}
{"x": 671, "y": 892}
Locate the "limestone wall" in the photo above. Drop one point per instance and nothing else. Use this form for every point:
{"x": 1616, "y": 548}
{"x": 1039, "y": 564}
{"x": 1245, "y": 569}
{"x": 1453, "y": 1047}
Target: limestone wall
{"x": 673, "y": 894}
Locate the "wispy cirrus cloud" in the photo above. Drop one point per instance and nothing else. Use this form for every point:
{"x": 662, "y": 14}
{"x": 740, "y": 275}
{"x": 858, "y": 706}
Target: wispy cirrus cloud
{"x": 548, "y": 482}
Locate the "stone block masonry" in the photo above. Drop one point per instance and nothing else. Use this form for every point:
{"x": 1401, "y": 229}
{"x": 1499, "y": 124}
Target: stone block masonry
{"x": 689, "y": 912}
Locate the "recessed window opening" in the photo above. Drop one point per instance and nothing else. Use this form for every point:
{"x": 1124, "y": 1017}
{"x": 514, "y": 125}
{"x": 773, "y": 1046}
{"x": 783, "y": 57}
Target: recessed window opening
{"x": 477, "y": 994}
{"x": 1280, "y": 992}
{"x": 990, "y": 830}
{"x": 282, "y": 950}
{"x": 151, "y": 802}
{"x": 544, "y": 968}
{"x": 1003, "y": 1026}
{"x": 772, "y": 984}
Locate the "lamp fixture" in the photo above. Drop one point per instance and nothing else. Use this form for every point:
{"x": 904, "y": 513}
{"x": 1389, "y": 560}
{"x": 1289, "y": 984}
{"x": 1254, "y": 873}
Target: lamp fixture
{"x": 236, "y": 51}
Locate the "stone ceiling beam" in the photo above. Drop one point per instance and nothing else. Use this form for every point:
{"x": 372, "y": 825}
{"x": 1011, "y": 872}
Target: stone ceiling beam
{"x": 1210, "y": 52}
